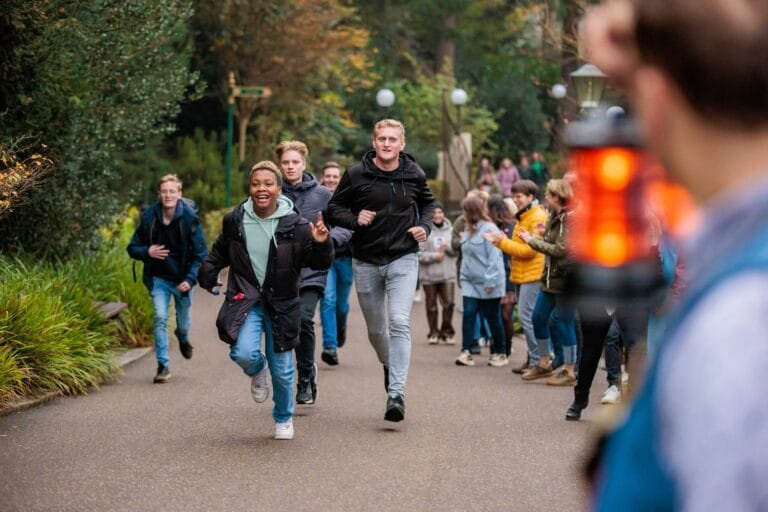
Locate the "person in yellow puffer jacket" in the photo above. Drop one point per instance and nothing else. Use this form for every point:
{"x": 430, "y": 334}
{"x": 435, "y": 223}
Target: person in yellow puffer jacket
{"x": 527, "y": 264}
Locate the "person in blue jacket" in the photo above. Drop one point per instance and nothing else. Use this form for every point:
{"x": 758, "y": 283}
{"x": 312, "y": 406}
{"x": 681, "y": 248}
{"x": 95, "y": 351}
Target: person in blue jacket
{"x": 696, "y": 435}
{"x": 171, "y": 243}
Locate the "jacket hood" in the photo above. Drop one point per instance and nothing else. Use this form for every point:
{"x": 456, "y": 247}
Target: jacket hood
{"x": 284, "y": 207}
{"x": 307, "y": 181}
{"x": 407, "y": 165}
{"x": 181, "y": 208}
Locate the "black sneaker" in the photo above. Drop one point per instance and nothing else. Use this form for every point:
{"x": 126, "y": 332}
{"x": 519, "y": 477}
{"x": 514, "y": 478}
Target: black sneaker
{"x": 163, "y": 374}
{"x": 386, "y": 379}
{"x": 395, "y": 408}
{"x": 330, "y": 356}
{"x": 304, "y": 393}
{"x": 574, "y": 411}
{"x": 186, "y": 349}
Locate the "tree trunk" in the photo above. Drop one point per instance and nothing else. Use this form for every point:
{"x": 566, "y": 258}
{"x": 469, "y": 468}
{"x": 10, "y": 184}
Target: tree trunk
{"x": 446, "y": 50}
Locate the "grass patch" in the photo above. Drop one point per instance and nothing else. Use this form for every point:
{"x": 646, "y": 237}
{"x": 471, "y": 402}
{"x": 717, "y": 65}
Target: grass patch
{"x": 51, "y": 334}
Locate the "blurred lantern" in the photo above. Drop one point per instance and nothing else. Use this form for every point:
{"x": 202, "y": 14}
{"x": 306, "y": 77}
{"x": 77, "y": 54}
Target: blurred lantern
{"x": 611, "y": 240}
{"x": 590, "y": 83}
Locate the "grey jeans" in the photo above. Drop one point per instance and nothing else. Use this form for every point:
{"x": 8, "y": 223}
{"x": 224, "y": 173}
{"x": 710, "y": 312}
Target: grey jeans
{"x": 526, "y": 300}
{"x": 385, "y": 293}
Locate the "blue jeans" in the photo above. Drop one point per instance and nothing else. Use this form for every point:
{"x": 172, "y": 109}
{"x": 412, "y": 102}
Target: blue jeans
{"x": 490, "y": 311}
{"x": 549, "y": 305}
{"x": 385, "y": 293}
{"x": 334, "y": 308}
{"x": 246, "y": 352}
{"x": 162, "y": 291}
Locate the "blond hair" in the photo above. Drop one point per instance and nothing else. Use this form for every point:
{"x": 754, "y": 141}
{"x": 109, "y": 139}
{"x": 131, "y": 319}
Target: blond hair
{"x": 389, "y": 123}
{"x": 292, "y": 145}
{"x": 167, "y": 178}
{"x": 267, "y": 165}
{"x": 561, "y": 189}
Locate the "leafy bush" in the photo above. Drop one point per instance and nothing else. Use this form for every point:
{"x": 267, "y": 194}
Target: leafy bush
{"x": 51, "y": 334}
{"x": 90, "y": 79}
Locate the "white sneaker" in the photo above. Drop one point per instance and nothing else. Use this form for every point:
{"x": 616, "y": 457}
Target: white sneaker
{"x": 450, "y": 340}
{"x": 499, "y": 360}
{"x": 612, "y": 395}
{"x": 260, "y": 385}
{"x": 284, "y": 430}
{"x": 465, "y": 359}
{"x": 432, "y": 340}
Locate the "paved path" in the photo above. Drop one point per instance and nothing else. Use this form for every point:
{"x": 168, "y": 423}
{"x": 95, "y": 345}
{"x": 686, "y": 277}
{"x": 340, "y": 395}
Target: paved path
{"x": 473, "y": 439}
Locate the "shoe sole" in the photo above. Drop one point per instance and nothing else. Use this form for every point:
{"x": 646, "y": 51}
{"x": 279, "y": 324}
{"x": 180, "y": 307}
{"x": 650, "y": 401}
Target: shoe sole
{"x": 564, "y": 384}
{"x": 260, "y": 400}
{"x": 537, "y": 377}
{"x": 283, "y": 437}
{"x": 459, "y": 363}
{"x": 394, "y": 414}
{"x": 572, "y": 418}
{"x": 162, "y": 380}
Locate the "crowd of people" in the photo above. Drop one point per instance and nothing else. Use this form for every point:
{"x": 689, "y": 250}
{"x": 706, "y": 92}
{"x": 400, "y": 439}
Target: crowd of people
{"x": 674, "y": 449}
{"x": 296, "y": 245}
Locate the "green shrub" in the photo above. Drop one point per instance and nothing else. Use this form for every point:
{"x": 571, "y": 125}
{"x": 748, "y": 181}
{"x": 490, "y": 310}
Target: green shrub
{"x": 212, "y": 224}
{"x": 51, "y": 334}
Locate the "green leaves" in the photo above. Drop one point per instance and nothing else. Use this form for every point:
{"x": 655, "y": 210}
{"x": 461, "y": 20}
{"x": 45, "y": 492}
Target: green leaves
{"x": 100, "y": 76}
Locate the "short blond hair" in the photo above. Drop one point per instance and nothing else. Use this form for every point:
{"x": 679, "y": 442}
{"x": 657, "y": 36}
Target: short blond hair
{"x": 291, "y": 145}
{"x": 267, "y": 165}
{"x": 167, "y": 178}
{"x": 389, "y": 123}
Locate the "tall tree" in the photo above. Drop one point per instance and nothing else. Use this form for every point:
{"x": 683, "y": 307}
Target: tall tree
{"x": 307, "y": 51}
{"x": 89, "y": 78}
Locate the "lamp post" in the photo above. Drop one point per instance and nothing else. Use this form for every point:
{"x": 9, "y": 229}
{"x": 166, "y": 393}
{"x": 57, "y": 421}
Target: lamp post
{"x": 612, "y": 261}
{"x": 385, "y": 98}
{"x": 590, "y": 84}
{"x": 458, "y": 98}
{"x": 237, "y": 91}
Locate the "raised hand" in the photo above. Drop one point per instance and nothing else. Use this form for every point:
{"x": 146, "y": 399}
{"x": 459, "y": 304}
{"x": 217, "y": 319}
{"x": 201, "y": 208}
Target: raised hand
{"x": 318, "y": 230}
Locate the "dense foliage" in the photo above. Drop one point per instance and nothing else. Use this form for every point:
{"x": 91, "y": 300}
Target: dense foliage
{"x": 90, "y": 80}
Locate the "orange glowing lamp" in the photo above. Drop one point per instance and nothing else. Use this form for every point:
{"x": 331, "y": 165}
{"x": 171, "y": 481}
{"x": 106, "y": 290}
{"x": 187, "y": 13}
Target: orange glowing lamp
{"x": 610, "y": 238}
{"x": 610, "y": 222}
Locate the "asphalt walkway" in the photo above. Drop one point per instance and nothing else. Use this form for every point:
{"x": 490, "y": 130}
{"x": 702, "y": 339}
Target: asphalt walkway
{"x": 473, "y": 438}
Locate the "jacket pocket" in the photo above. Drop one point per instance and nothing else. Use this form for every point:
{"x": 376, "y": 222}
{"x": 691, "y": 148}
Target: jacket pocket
{"x": 285, "y": 315}
{"x": 232, "y": 316}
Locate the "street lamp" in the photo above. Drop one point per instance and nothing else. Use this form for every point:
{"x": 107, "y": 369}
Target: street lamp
{"x": 590, "y": 84}
{"x": 385, "y": 98}
{"x": 559, "y": 91}
{"x": 458, "y": 98}
{"x": 612, "y": 261}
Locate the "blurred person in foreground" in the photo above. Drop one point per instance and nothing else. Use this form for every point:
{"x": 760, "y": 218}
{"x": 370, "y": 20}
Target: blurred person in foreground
{"x": 696, "y": 74}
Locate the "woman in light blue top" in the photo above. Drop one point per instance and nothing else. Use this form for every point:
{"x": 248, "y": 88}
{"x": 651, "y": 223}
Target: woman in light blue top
{"x": 482, "y": 280}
